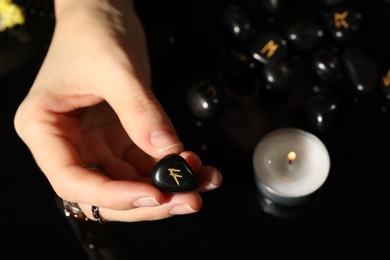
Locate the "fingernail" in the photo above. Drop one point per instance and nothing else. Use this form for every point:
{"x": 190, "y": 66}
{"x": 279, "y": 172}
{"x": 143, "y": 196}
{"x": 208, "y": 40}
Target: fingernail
{"x": 210, "y": 186}
{"x": 214, "y": 183}
{"x": 146, "y": 202}
{"x": 164, "y": 139}
{"x": 182, "y": 209}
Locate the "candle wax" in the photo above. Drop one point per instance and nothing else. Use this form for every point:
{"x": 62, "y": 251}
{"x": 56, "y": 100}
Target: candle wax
{"x": 286, "y": 176}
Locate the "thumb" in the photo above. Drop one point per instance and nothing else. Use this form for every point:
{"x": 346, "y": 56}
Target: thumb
{"x": 144, "y": 119}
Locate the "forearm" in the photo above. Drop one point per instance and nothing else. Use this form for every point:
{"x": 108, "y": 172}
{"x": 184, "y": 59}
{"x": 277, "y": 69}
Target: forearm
{"x": 107, "y": 27}
{"x": 65, "y": 7}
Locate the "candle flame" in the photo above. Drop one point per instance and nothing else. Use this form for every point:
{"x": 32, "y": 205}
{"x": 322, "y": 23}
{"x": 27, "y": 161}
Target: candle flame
{"x": 291, "y": 156}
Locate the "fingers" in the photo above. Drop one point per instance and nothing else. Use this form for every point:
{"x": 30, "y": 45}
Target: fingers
{"x": 144, "y": 119}
{"x": 73, "y": 182}
{"x": 145, "y": 208}
{"x": 177, "y": 204}
{"x": 208, "y": 177}
{"x": 86, "y": 186}
{"x": 132, "y": 98}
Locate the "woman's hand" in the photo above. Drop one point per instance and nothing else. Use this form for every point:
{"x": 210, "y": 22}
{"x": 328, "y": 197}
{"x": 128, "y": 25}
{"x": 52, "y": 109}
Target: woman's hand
{"x": 92, "y": 103}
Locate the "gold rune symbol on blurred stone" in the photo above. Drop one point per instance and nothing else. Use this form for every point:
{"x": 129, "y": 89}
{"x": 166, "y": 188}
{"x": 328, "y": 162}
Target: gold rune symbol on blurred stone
{"x": 269, "y": 48}
{"x": 386, "y": 79}
{"x": 211, "y": 91}
{"x": 339, "y": 20}
{"x": 175, "y": 175}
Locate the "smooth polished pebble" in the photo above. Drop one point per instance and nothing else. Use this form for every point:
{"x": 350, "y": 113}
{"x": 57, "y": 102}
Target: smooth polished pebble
{"x": 273, "y": 6}
{"x": 361, "y": 69}
{"x": 173, "y": 174}
{"x": 236, "y": 26}
{"x": 305, "y": 35}
{"x": 239, "y": 72}
{"x": 343, "y": 23}
{"x": 269, "y": 46}
{"x": 277, "y": 77}
{"x": 205, "y": 99}
{"x": 322, "y": 112}
{"x": 326, "y": 66}
{"x": 385, "y": 84}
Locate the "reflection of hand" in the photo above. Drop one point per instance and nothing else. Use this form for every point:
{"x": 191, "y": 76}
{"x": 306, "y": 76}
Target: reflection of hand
{"x": 91, "y": 102}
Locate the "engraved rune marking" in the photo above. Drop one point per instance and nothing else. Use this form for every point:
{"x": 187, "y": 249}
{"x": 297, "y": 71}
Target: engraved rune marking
{"x": 339, "y": 20}
{"x": 269, "y": 48}
{"x": 175, "y": 175}
{"x": 211, "y": 91}
{"x": 386, "y": 79}
{"x": 242, "y": 58}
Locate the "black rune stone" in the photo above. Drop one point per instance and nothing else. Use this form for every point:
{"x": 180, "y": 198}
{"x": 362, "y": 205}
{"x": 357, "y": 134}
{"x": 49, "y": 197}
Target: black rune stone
{"x": 173, "y": 174}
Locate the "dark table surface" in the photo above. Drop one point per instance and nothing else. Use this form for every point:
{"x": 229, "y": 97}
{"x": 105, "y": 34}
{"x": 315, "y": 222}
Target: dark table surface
{"x": 351, "y": 209}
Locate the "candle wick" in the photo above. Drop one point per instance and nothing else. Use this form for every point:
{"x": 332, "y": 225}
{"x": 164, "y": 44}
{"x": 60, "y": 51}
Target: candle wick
{"x": 291, "y": 157}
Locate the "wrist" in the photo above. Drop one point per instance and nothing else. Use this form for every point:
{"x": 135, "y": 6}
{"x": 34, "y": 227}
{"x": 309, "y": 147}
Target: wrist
{"x": 69, "y": 6}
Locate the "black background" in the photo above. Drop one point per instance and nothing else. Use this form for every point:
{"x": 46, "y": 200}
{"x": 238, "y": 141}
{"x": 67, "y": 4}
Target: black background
{"x": 352, "y": 208}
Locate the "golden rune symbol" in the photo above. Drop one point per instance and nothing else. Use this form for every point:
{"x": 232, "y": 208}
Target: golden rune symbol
{"x": 269, "y": 48}
{"x": 211, "y": 91}
{"x": 386, "y": 79}
{"x": 175, "y": 175}
{"x": 340, "y": 20}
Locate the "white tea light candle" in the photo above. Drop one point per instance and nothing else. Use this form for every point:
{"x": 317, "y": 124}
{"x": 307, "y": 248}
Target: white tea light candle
{"x": 290, "y": 164}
